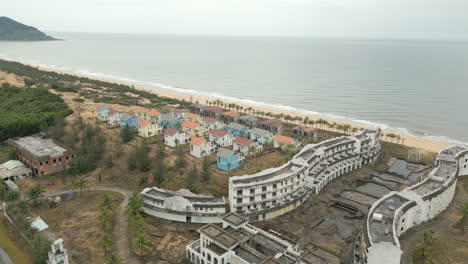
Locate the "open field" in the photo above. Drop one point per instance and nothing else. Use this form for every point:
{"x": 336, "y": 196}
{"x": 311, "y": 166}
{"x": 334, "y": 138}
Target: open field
{"x": 13, "y": 243}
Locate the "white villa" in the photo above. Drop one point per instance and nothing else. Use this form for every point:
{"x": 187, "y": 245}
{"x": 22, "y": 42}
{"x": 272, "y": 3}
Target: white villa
{"x": 220, "y": 137}
{"x": 212, "y": 123}
{"x": 200, "y": 147}
{"x": 148, "y": 129}
{"x": 153, "y": 115}
{"x": 280, "y": 141}
{"x": 174, "y": 137}
{"x": 246, "y": 146}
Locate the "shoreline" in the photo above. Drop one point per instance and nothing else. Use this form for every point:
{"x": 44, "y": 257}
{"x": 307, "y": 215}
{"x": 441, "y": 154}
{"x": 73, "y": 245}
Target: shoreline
{"x": 409, "y": 140}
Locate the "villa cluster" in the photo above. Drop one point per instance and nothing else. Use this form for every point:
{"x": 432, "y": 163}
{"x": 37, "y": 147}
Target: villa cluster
{"x": 208, "y": 130}
{"x": 272, "y": 192}
{"x": 395, "y": 213}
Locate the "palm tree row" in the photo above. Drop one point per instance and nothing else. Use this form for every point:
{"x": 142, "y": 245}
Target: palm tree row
{"x": 106, "y": 242}
{"x": 134, "y": 209}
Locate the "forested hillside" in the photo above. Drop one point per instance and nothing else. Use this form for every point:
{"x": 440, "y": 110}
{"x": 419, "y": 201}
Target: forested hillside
{"x": 15, "y": 31}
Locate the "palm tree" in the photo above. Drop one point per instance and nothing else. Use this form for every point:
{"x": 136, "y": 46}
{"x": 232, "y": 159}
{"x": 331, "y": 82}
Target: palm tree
{"x": 229, "y": 165}
{"x": 463, "y": 210}
{"x": 135, "y": 203}
{"x": 105, "y": 218}
{"x": 141, "y": 244}
{"x": 106, "y": 242}
{"x": 35, "y": 193}
{"x": 107, "y": 204}
{"x": 113, "y": 259}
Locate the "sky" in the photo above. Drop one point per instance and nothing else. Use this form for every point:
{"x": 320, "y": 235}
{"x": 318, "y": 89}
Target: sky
{"x": 435, "y": 19}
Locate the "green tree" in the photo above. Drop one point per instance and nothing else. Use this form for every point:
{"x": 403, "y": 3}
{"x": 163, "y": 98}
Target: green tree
{"x": 106, "y": 243}
{"x": 41, "y": 247}
{"x": 35, "y": 193}
{"x": 113, "y": 259}
{"x": 127, "y": 133}
{"x": 205, "y": 169}
{"x": 192, "y": 180}
{"x": 141, "y": 244}
{"x": 107, "y": 204}
{"x": 143, "y": 178}
{"x": 463, "y": 210}
{"x": 135, "y": 204}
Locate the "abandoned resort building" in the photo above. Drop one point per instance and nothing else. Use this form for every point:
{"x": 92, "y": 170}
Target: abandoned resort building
{"x": 397, "y": 212}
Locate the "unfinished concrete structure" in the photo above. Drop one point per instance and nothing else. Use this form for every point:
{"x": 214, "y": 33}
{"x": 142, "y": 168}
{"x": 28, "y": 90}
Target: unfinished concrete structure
{"x": 276, "y": 191}
{"x": 14, "y": 170}
{"x": 58, "y": 253}
{"x": 239, "y": 242}
{"x": 183, "y": 206}
{"x": 395, "y": 213}
{"x": 42, "y": 154}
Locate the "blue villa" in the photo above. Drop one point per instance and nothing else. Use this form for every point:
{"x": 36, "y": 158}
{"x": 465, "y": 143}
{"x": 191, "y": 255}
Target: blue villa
{"x": 127, "y": 119}
{"x": 227, "y": 156}
{"x": 170, "y": 121}
{"x": 261, "y": 135}
{"x": 103, "y": 113}
{"x": 237, "y": 130}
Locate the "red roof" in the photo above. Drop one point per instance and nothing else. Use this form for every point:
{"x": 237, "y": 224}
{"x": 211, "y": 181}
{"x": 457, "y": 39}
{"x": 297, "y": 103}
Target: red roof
{"x": 304, "y": 128}
{"x": 179, "y": 111}
{"x": 243, "y": 141}
{"x": 210, "y": 120}
{"x": 218, "y": 133}
{"x": 197, "y": 141}
{"x": 153, "y": 113}
{"x": 284, "y": 139}
{"x": 141, "y": 110}
{"x": 144, "y": 122}
{"x": 232, "y": 113}
{"x": 113, "y": 112}
{"x": 273, "y": 122}
{"x": 192, "y": 116}
{"x": 309, "y": 129}
{"x": 190, "y": 124}
{"x": 171, "y": 131}
{"x": 215, "y": 109}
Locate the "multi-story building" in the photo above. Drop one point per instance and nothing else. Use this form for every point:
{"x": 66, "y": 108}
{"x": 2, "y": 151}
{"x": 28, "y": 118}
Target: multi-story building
{"x": 174, "y": 137}
{"x": 276, "y": 191}
{"x": 200, "y": 147}
{"x": 395, "y": 213}
{"x": 42, "y": 154}
{"x": 238, "y": 242}
{"x": 183, "y": 206}
{"x": 148, "y": 129}
{"x": 220, "y": 137}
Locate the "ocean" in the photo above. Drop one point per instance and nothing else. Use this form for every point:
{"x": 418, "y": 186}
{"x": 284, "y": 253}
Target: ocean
{"x": 417, "y": 87}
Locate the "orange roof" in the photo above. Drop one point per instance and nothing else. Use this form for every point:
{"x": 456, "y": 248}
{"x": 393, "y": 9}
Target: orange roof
{"x": 309, "y": 129}
{"x": 141, "y": 110}
{"x": 243, "y": 141}
{"x": 179, "y": 111}
{"x": 192, "y": 116}
{"x": 190, "y": 124}
{"x": 144, "y": 122}
{"x": 153, "y": 113}
{"x": 284, "y": 139}
{"x": 197, "y": 141}
{"x": 304, "y": 128}
{"x": 231, "y": 113}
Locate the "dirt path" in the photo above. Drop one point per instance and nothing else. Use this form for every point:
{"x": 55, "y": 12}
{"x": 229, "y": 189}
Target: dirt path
{"x": 121, "y": 232}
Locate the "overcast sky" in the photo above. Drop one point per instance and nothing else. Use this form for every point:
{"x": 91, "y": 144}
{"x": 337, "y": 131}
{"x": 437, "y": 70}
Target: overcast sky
{"x": 447, "y": 19}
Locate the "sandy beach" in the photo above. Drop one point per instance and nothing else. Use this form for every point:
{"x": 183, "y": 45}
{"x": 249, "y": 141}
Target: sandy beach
{"x": 409, "y": 140}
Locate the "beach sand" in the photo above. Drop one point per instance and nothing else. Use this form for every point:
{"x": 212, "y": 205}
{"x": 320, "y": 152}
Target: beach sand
{"x": 409, "y": 140}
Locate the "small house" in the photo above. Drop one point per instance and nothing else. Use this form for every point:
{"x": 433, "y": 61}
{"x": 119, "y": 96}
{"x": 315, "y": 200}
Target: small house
{"x": 14, "y": 170}
{"x": 103, "y": 113}
{"x": 248, "y": 120}
{"x": 140, "y": 112}
{"x": 280, "y": 141}
{"x": 113, "y": 117}
{"x": 129, "y": 120}
{"x": 228, "y": 160}
{"x": 261, "y": 135}
{"x": 212, "y": 111}
{"x": 245, "y": 146}
{"x": 197, "y": 108}
{"x": 272, "y": 125}
{"x": 200, "y": 147}
{"x": 148, "y": 129}
{"x": 170, "y": 121}
{"x": 237, "y": 130}
{"x": 220, "y": 137}
{"x": 179, "y": 113}
{"x": 211, "y": 123}
{"x": 174, "y": 137}
{"x": 230, "y": 116}
{"x": 167, "y": 109}
{"x": 193, "y": 128}
{"x": 153, "y": 116}
{"x": 193, "y": 117}
{"x": 304, "y": 131}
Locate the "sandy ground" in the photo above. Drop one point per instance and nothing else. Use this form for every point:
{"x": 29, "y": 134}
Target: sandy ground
{"x": 412, "y": 141}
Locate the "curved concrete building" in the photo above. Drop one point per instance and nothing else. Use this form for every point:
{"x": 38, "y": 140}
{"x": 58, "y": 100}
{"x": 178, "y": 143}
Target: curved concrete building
{"x": 276, "y": 191}
{"x": 395, "y": 213}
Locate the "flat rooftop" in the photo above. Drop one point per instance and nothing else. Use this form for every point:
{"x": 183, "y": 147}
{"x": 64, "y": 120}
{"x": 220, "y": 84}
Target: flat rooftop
{"x": 41, "y": 146}
{"x": 382, "y": 231}
{"x": 164, "y": 194}
{"x": 219, "y": 235}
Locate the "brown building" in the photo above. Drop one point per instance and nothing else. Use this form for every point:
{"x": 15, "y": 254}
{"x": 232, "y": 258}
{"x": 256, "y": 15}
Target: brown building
{"x": 42, "y": 154}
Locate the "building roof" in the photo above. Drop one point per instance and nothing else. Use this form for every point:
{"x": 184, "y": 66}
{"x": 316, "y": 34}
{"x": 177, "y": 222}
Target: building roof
{"x": 179, "y": 111}
{"x": 168, "y": 108}
{"x": 190, "y": 124}
{"x": 210, "y": 120}
{"x": 218, "y": 132}
{"x": 218, "y": 234}
{"x": 197, "y": 141}
{"x": 225, "y": 153}
{"x": 192, "y": 116}
{"x": 153, "y": 112}
{"x": 243, "y": 141}
{"x": 39, "y": 224}
{"x": 249, "y": 118}
{"x": 125, "y": 116}
{"x": 234, "y": 219}
{"x": 40, "y": 146}
{"x": 235, "y": 126}
{"x": 169, "y": 118}
{"x": 141, "y": 110}
{"x": 283, "y": 139}
{"x": 144, "y": 122}
{"x": 103, "y": 108}
{"x": 12, "y": 164}
{"x": 171, "y": 131}
{"x": 214, "y": 109}
{"x": 273, "y": 122}
{"x": 232, "y": 113}
{"x": 305, "y": 128}
{"x": 259, "y": 131}
{"x": 113, "y": 112}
